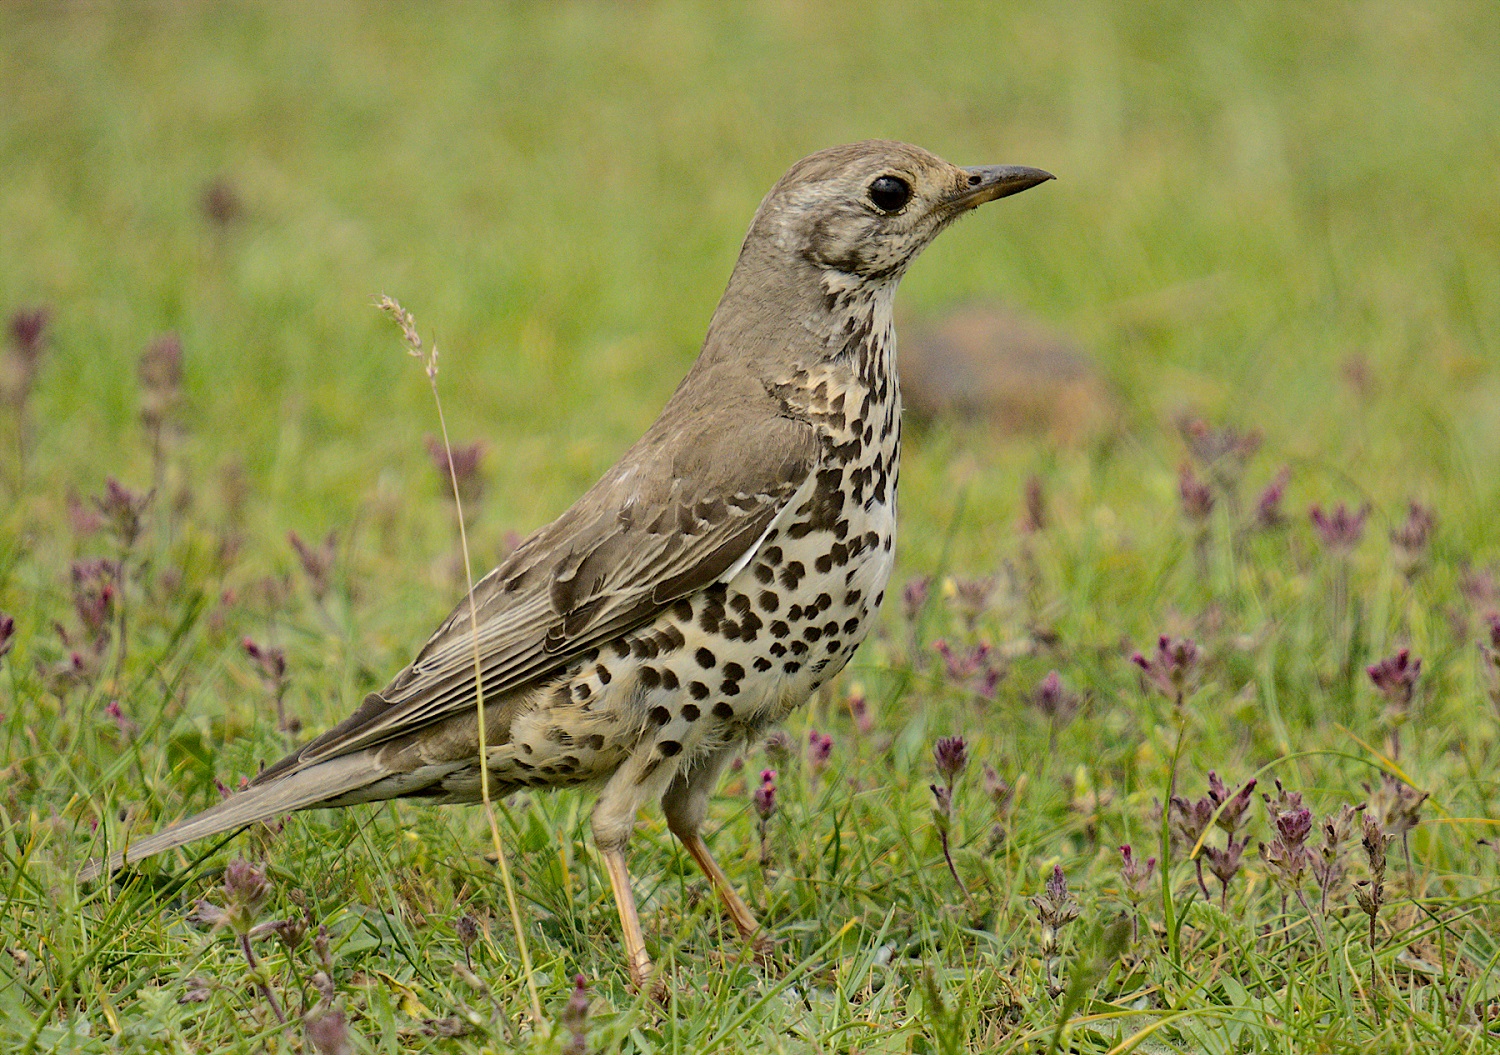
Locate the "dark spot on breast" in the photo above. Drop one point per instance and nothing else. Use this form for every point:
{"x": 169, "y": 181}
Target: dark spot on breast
{"x": 622, "y": 649}
{"x": 672, "y": 639}
{"x": 669, "y": 748}
{"x": 831, "y": 627}
{"x": 690, "y": 712}
{"x": 794, "y": 613}
{"x": 526, "y": 747}
{"x": 723, "y": 711}
{"x": 791, "y": 666}
{"x": 824, "y": 602}
{"x": 682, "y": 610}
{"x": 698, "y": 691}
{"x": 769, "y": 601}
{"x": 660, "y": 715}
{"x": 602, "y": 673}
{"x": 823, "y": 565}
{"x": 730, "y": 688}
{"x": 558, "y": 735}
{"x": 705, "y": 658}
{"x": 852, "y": 598}
{"x": 851, "y": 624}
{"x": 780, "y": 629}
{"x": 568, "y": 763}
{"x": 778, "y": 649}
{"x": 594, "y": 741}
{"x": 582, "y": 691}
{"x": 650, "y": 677}
{"x": 669, "y": 678}
{"x": 729, "y": 630}
{"x": 590, "y": 656}
{"x": 764, "y": 574}
{"x": 792, "y": 574}
{"x": 733, "y": 671}
{"x": 812, "y": 633}
{"x": 833, "y": 645}
{"x": 772, "y": 554}
{"x": 741, "y": 604}
{"x": 762, "y": 664}
{"x": 799, "y": 647}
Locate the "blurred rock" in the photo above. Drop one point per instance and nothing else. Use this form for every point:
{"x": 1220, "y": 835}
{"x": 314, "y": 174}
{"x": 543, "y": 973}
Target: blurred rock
{"x": 989, "y": 364}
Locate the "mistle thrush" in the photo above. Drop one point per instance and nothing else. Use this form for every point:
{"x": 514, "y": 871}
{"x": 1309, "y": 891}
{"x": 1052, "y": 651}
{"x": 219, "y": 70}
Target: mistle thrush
{"x": 723, "y": 570}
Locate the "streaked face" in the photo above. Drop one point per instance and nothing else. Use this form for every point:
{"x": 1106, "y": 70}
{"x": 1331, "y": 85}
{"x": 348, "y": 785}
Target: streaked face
{"x": 869, "y": 209}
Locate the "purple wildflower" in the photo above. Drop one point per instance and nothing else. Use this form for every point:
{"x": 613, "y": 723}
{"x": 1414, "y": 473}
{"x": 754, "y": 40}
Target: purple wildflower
{"x": 1171, "y": 667}
{"x": 1268, "y": 512}
{"x": 951, "y": 753}
{"x": 1197, "y": 497}
{"x": 1396, "y": 677}
{"x": 765, "y": 795}
{"x": 1340, "y": 530}
{"x": 1413, "y": 537}
{"x": 914, "y": 596}
{"x": 819, "y": 748}
{"x": 575, "y": 1017}
{"x": 317, "y": 561}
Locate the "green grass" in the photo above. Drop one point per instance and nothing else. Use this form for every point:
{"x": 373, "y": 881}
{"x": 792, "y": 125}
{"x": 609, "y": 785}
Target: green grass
{"x": 1250, "y": 198}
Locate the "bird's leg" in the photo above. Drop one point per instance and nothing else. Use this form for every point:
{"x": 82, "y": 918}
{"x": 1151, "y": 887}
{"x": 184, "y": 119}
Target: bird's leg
{"x": 685, "y": 804}
{"x": 636, "y": 956}
{"x": 639, "y": 780}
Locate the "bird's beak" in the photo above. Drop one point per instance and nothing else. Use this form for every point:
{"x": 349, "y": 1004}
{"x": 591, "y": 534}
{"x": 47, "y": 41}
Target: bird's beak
{"x": 988, "y": 182}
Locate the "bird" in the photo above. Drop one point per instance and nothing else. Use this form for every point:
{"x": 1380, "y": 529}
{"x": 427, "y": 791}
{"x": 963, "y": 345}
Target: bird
{"x": 708, "y": 584}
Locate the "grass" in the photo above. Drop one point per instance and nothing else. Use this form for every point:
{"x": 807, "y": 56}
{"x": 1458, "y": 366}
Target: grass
{"x": 1256, "y": 204}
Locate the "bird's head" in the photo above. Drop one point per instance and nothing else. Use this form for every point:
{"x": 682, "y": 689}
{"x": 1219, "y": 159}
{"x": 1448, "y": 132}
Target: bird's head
{"x": 866, "y": 210}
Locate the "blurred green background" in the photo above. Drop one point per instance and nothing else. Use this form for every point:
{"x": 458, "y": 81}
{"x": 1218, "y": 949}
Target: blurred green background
{"x": 1249, "y": 196}
{"x": 1277, "y": 216}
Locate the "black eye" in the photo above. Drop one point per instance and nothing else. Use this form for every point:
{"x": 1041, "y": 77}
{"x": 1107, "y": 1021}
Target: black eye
{"x": 890, "y": 193}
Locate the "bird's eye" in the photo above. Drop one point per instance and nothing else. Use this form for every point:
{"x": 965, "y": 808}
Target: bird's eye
{"x": 890, "y": 193}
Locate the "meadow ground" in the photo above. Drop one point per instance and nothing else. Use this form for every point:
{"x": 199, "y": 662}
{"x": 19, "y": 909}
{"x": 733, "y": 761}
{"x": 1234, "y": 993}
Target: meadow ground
{"x": 1278, "y": 221}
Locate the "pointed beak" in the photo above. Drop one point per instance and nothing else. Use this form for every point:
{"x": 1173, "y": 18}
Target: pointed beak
{"x": 988, "y": 182}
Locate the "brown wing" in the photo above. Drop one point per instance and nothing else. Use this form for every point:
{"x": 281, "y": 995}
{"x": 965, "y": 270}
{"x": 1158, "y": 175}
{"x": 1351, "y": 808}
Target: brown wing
{"x": 677, "y": 513}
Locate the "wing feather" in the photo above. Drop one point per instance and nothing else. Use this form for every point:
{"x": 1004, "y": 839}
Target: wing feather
{"x": 659, "y": 526}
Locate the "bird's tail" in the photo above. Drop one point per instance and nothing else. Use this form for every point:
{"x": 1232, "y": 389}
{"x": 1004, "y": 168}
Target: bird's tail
{"x": 297, "y": 790}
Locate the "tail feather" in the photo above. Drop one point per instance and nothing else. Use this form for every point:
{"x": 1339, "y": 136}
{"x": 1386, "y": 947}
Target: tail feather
{"x": 296, "y": 791}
